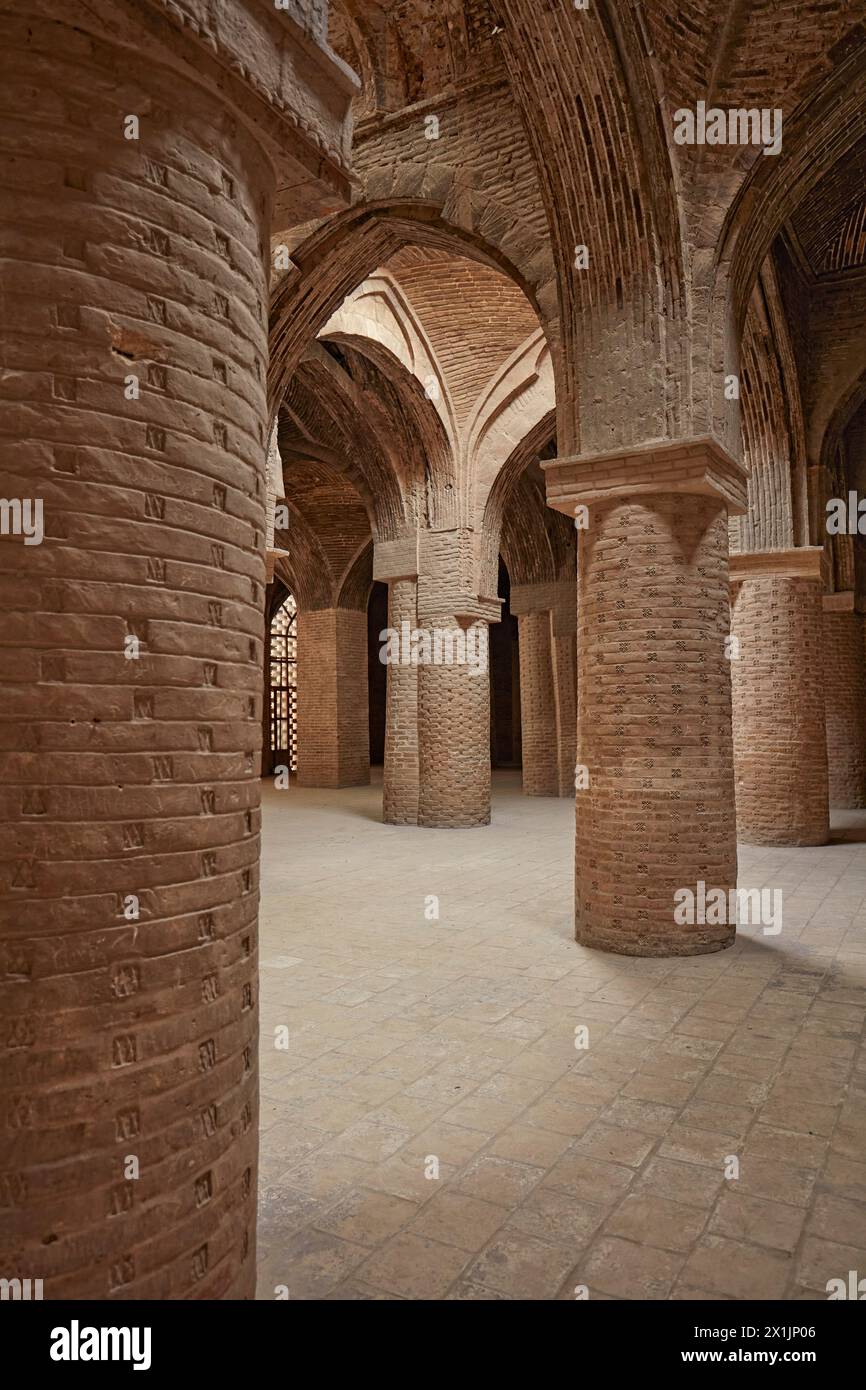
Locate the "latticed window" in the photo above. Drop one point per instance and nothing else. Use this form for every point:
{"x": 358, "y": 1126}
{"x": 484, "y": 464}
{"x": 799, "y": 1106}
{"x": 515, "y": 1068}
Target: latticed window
{"x": 284, "y": 687}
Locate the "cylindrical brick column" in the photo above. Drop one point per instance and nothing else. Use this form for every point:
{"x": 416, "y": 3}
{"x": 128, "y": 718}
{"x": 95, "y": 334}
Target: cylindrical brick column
{"x": 845, "y": 701}
{"x": 777, "y": 686}
{"x": 563, "y": 649}
{"x": 400, "y": 772}
{"x": 537, "y": 705}
{"x": 654, "y": 724}
{"x": 134, "y": 325}
{"x": 453, "y": 739}
{"x": 333, "y": 711}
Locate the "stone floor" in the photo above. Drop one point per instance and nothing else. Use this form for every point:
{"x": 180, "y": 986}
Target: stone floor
{"x": 420, "y": 1046}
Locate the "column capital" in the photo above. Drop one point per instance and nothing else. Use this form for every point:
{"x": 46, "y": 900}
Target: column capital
{"x": 558, "y": 596}
{"x": 272, "y": 66}
{"x": 531, "y": 598}
{"x": 397, "y": 559}
{"x": 841, "y": 602}
{"x": 443, "y": 562}
{"x": 801, "y": 562}
{"x": 700, "y": 465}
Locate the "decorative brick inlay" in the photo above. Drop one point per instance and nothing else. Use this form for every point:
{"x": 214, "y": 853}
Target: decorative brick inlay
{"x": 777, "y": 687}
{"x": 654, "y": 723}
{"x": 845, "y": 701}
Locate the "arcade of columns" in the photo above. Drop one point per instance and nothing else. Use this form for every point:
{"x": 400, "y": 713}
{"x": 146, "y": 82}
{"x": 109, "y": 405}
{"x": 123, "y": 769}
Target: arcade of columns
{"x": 444, "y": 380}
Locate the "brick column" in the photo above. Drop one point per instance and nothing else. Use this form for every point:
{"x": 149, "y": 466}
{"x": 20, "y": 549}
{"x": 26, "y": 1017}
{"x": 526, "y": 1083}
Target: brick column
{"x": 654, "y": 695}
{"x": 531, "y": 605}
{"x": 395, "y": 563}
{"x": 845, "y": 700}
{"x": 453, "y": 738}
{"x": 400, "y": 772}
{"x": 564, "y": 652}
{"x": 134, "y": 324}
{"x": 777, "y": 680}
{"x": 333, "y": 710}
{"x": 437, "y": 736}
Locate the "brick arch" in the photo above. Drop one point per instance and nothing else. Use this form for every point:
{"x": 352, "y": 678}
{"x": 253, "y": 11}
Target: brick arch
{"x": 517, "y": 399}
{"x": 412, "y": 432}
{"x": 378, "y": 312}
{"x": 832, "y": 414}
{"x": 583, "y": 80}
{"x": 773, "y": 437}
{"x": 330, "y": 425}
{"x": 354, "y": 591}
{"x": 817, "y": 135}
{"x": 847, "y": 403}
{"x": 524, "y": 541}
{"x": 303, "y": 565}
{"x": 504, "y": 486}
{"x": 339, "y": 254}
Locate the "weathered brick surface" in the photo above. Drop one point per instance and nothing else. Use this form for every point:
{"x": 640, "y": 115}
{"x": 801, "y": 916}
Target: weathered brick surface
{"x": 453, "y": 743}
{"x": 564, "y": 653}
{"x": 654, "y": 723}
{"x": 537, "y": 706}
{"x": 131, "y": 776}
{"x": 333, "y": 716}
{"x": 777, "y": 686}
{"x": 134, "y": 326}
{"x": 845, "y": 702}
{"x": 400, "y": 774}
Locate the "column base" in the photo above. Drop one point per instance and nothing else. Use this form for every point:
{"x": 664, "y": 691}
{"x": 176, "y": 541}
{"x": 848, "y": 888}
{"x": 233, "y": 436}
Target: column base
{"x": 621, "y": 941}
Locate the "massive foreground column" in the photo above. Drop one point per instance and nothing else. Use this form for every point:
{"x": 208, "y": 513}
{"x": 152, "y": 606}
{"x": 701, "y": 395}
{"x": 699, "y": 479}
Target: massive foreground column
{"x": 845, "y": 700}
{"x": 654, "y": 701}
{"x": 777, "y": 677}
{"x": 139, "y": 179}
{"x": 333, "y": 708}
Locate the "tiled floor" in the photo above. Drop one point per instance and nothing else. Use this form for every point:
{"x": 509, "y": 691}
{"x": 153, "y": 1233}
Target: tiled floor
{"x": 420, "y": 1046}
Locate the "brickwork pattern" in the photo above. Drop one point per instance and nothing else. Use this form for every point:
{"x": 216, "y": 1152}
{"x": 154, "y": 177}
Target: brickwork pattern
{"x": 654, "y": 723}
{"x": 333, "y": 712}
{"x": 564, "y": 653}
{"x": 400, "y": 774}
{"x": 537, "y": 706}
{"x": 845, "y": 704}
{"x": 453, "y": 743}
{"x": 777, "y": 689}
{"x": 475, "y": 317}
{"x": 130, "y": 1035}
